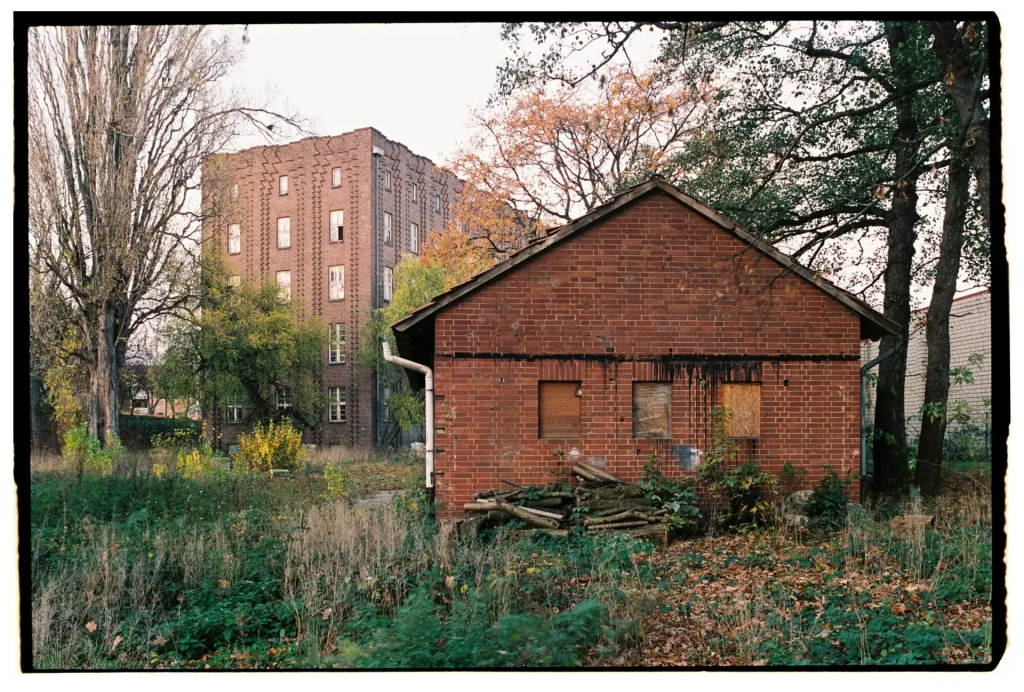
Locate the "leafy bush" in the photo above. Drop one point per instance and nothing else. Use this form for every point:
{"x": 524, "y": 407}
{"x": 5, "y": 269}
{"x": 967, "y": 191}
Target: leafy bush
{"x": 677, "y": 495}
{"x": 138, "y": 432}
{"x": 277, "y": 446}
{"x": 198, "y": 463}
{"x": 88, "y": 454}
{"x": 335, "y": 480}
{"x": 827, "y": 506}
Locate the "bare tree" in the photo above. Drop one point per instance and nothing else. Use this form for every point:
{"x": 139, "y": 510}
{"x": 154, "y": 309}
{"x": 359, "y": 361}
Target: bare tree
{"x": 121, "y": 119}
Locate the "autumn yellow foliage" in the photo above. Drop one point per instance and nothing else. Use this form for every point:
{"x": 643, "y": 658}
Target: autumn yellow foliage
{"x": 274, "y": 446}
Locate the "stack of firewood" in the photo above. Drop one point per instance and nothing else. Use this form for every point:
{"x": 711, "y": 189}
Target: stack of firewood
{"x": 605, "y": 505}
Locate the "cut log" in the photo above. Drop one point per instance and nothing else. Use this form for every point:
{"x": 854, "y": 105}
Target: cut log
{"x": 524, "y": 533}
{"x": 600, "y": 473}
{"x": 622, "y": 516}
{"x": 615, "y": 527}
{"x": 496, "y": 516}
{"x": 659, "y": 531}
{"x": 533, "y": 517}
{"x": 588, "y": 475}
{"x": 514, "y": 485}
{"x": 611, "y": 492}
{"x": 544, "y": 502}
{"x": 496, "y": 505}
{"x": 618, "y": 505}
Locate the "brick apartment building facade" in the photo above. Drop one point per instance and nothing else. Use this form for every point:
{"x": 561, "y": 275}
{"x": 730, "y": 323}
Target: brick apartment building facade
{"x": 614, "y": 337}
{"x": 328, "y": 218}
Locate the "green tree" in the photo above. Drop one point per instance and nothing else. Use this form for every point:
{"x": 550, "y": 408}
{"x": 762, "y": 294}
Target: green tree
{"x": 249, "y": 346}
{"x": 174, "y": 376}
{"x": 416, "y": 282}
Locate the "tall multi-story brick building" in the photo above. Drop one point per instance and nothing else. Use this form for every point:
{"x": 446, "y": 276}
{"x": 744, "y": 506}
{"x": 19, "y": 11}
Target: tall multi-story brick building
{"x": 328, "y": 218}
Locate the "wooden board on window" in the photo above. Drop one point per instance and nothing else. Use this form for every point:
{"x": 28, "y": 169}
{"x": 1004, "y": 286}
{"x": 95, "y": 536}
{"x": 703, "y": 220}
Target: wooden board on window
{"x": 652, "y": 409}
{"x": 559, "y": 410}
{"x": 743, "y": 401}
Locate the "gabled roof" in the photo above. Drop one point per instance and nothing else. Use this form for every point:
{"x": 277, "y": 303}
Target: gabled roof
{"x": 873, "y": 323}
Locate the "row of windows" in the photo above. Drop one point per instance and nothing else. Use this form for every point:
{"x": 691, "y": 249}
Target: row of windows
{"x": 336, "y": 221}
{"x": 413, "y": 190}
{"x": 558, "y": 409}
{"x": 335, "y": 283}
{"x": 235, "y": 413}
{"x": 284, "y": 232}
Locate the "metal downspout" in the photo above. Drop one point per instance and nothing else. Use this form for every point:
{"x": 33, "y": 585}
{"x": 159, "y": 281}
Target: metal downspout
{"x": 428, "y": 375}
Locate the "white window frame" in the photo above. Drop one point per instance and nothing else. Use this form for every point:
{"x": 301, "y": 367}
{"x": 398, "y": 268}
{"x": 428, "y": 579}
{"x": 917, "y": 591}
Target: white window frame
{"x": 284, "y": 398}
{"x": 414, "y": 238}
{"x": 387, "y": 227}
{"x": 336, "y": 333}
{"x": 337, "y": 221}
{"x": 335, "y": 177}
{"x": 284, "y": 230}
{"x": 388, "y": 284}
{"x": 234, "y": 192}
{"x": 284, "y": 288}
{"x": 387, "y": 180}
{"x": 234, "y": 238}
{"x": 336, "y": 408}
{"x": 412, "y": 192}
{"x": 437, "y": 204}
{"x": 336, "y": 282}
{"x": 233, "y": 414}
{"x": 385, "y": 411}
{"x": 282, "y": 186}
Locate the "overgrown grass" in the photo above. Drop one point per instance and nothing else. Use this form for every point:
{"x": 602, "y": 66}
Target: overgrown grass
{"x": 246, "y": 571}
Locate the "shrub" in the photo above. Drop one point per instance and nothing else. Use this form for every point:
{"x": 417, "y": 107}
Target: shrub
{"x": 277, "y": 446}
{"x": 335, "y": 480}
{"x": 138, "y": 432}
{"x": 88, "y": 454}
{"x": 674, "y": 494}
{"x": 826, "y": 508}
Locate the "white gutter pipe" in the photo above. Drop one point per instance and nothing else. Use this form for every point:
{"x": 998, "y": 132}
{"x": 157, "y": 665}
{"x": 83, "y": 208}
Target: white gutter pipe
{"x": 428, "y": 374}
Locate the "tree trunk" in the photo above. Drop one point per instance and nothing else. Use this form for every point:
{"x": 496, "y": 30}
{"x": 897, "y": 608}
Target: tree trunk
{"x": 889, "y": 448}
{"x": 37, "y": 413}
{"x": 936, "y": 390}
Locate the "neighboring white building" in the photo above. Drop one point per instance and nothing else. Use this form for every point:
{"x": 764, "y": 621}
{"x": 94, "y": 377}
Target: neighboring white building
{"x": 970, "y": 347}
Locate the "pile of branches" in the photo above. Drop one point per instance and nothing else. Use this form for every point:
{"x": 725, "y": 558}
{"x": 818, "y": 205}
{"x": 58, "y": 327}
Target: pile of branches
{"x": 601, "y": 504}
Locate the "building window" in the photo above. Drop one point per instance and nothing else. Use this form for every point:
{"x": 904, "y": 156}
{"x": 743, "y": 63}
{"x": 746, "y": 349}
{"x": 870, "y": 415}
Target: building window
{"x": 234, "y": 413}
{"x": 412, "y": 192}
{"x": 234, "y": 192}
{"x": 742, "y": 402}
{"x": 284, "y": 398}
{"x": 387, "y": 227}
{"x": 235, "y": 280}
{"x": 559, "y": 409}
{"x": 336, "y": 282}
{"x": 335, "y": 177}
{"x": 282, "y": 185}
{"x": 336, "y": 401}
{"x": 414, "y": 238}
{"x": 336, "y": 337}
{"x": 337, "y": 226}
{"x": 437, "y": 204}
{"x": 385, "y": 411}
{"x": 234, "y": 239}
{"x": 387, "y": 284}
{"x": 652, "y": 410}
{"x": 284, "y": 233}
{"x": 284, "y": 286}
{"x": 387, "y": 180}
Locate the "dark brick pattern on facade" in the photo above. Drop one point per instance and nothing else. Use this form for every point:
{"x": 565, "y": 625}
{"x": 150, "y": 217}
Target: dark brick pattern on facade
{"x": 310, "y": 199}
{"x": 653, "y": 292}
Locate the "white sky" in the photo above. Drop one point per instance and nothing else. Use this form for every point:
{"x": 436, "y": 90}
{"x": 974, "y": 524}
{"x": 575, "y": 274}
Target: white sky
{"x": 415, "y": 83}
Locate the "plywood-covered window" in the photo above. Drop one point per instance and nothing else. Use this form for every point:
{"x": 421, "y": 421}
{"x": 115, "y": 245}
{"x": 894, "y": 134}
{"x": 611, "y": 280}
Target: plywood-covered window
{"x": 742, "y": 402}
{"x": 559, "y": 409}
{"x": 652, "y": 410}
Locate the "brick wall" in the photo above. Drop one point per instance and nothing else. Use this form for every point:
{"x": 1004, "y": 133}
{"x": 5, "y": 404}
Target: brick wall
{"x": 653, "y": 292}
{"x": 310, "y": 199}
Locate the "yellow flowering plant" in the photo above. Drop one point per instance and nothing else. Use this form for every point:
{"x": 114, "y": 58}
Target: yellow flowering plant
{"x": 275, "y": 446}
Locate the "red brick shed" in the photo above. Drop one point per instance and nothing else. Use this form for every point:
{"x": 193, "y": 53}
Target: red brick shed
{"x": 614, "y": 336}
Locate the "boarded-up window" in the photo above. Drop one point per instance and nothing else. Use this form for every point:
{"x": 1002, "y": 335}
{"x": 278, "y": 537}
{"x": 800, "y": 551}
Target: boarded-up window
{"x": 559, "y": 409}
{"x": 652, "y": 409}
{"x": 743, "y": 402}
